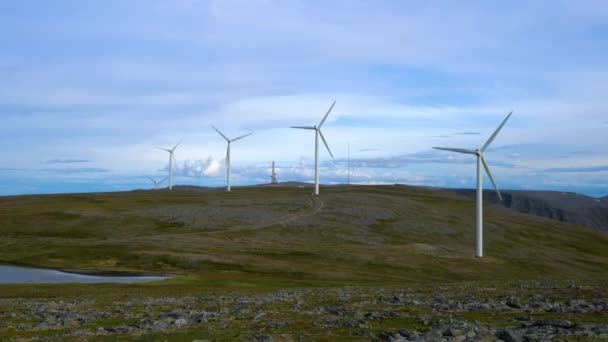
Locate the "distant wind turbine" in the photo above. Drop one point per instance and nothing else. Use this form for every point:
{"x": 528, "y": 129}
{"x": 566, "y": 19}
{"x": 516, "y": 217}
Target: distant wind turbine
{"x": 348, "y": 165}
{"x": 157, "y": 183}
{"x": 273, "y": 175}
{"x": 171, "y": 160}
{"x": 318, "y": 133}
{"x": 229, "y": 141}
{"x": 480, "y": 161}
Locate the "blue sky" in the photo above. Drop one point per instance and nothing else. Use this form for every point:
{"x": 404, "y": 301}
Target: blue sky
{"x": 89, "y": 88}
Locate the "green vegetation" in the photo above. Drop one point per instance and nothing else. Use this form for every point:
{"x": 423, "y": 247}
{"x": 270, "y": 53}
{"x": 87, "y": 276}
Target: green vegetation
{"x": 261, "y": 239}
{"x": 380, "y": 235}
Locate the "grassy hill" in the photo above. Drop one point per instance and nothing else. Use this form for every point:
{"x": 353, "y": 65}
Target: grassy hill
{"x": 350, "y": 235}
{"x": 275, "y": 263}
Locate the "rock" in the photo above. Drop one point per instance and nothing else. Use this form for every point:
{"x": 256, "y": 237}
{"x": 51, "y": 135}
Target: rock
{"x": 554, "y": 323}
{"x": 121, "y": 329}
{"x": 409, "y": 334}
{"x": 159, "y": 326}
{"x": 373, "y": 316}
{"x": 354, "y": 323}
{"x": 453, "y": 332}
{"x": 601, "y": 330}
{"x": 175, "y": 314}
{"x": 513, "y": 304}
{"x": 330, "y": 309}
{"x": 259, "y": 316}
{"x": 510, "y": 336}
{"x": 204, "y": 316}
{"x": 180, "y": 322}
{"x": 391, "y": 336}
{"x": 261, "y": 338}
{"x": 435, "y": 334}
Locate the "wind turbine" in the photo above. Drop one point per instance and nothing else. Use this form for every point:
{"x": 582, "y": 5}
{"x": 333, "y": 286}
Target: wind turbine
{"x": 348, "y": 165}
{"x": 171, "y": 160}
{"x": 157, "y": 183}
{"x": 273, "y": 175}
{"x": 228, "y": 154}
{"x": 480, "y": 161}
{"x": 318, "y": 133}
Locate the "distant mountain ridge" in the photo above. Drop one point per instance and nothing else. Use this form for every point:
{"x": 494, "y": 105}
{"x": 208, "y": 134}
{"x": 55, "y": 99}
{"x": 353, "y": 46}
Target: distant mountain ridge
{"x": 566, "y": 207}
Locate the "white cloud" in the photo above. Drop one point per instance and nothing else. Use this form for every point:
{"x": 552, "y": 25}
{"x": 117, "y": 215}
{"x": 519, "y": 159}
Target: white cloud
{"x": 201, "y": 168}
{"x": 213, "y": 169}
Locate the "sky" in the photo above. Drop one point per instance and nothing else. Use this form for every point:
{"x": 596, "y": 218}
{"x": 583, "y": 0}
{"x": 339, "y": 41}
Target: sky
{"x": 89, "y": 88}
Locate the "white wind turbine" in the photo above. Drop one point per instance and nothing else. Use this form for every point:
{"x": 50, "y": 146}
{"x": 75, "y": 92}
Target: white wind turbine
{"x": 273, "y": 175}
{"x": 171, "y": 160}
{"x": 318, "y": 133}
{"x": 480, "y": 161}
{"x": 157, "y": 183}
{"x": 229, "y": 141}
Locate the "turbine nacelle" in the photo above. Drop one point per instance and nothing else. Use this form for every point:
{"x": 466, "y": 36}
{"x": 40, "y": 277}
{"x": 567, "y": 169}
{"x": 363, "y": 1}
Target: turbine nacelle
{"x": 480, "y": 153}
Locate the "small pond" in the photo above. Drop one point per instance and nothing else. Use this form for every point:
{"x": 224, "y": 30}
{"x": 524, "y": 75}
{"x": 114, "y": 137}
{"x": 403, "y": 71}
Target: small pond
{"x": 29, "y": 275}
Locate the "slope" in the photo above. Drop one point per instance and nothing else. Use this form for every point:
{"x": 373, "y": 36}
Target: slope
{"x": 562, "y": 206}
{"x": 356, "y": 235}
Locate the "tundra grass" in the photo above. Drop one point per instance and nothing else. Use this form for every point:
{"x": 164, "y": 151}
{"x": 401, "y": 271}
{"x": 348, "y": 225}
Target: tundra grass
{"x": 372, "y": 236}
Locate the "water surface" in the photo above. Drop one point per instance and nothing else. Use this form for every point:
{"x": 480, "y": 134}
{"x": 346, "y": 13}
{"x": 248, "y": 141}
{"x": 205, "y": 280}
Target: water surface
{"x": 29, "y": 275}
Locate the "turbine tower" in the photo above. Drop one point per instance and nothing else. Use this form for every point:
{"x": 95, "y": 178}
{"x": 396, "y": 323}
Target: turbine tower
{"x": 273, "y": 175}
{"x": 480, "y": 161}
{"x": 348, "y": 165}
{"x": 157, "y": 183}
{"x": 318, "y": 133}
{"x": 171, "y": 160}
{"x": 228, "y": 154}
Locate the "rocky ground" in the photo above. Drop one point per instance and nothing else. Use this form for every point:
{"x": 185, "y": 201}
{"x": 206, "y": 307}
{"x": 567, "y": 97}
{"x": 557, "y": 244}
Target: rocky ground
{"x": 516, "y": 312}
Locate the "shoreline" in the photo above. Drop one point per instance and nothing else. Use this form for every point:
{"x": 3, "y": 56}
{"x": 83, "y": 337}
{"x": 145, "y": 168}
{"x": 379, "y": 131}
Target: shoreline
{"x": 91, "y": 272}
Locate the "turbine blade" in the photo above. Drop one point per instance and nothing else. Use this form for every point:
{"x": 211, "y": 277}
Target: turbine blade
{"x": 222, "y": 134}
{"x": 174, "y": 147}
{"x": 325, "y": 142}
{"x": 164, "y": 149}
{"x": 164, "y": 179}
{"x": 459, "y": 150}
{"x": 174, "y": 161}
{"x": 227, "y": 155}
{"x": 487, "y": 144}
{"x": 241, "y": 137}
{"x": 327, "y": 114}
{"x": 485, "y": 166}
{"x": 303, "y": 127}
